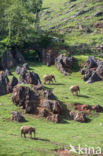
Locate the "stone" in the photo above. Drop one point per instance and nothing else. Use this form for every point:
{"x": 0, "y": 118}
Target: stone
{"x": 56, "y": 118}
{"x": 12, "y": 84}
{"x": 64, "y": 64}
{"x": 44, "y": 113}
{"x": 16, "y": 116}
{"x": 80, "y": 117}
{"x": 18, "y": 56}
{"x": 8, "y": 60}
{"x": 91, "y": 62}
{"x": 53, "y": 106}
{"x": 18, "y": 70}
{"x": 99, "y": 70}
{"x": 49, "y": 95}
{"x": 26, "y": 66}
{"x": 94, "y": 78}
{"x": 7, "y": 71}
{"x": 29, "y": 78}
{"x": 3, "y": 84}
{"x": 25, "y": 97}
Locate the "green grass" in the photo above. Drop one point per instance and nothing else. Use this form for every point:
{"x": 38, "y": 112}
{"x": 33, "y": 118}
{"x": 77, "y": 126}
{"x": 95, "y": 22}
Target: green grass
{"x": 62, "y": 16}
{"x": 53, "y": 136}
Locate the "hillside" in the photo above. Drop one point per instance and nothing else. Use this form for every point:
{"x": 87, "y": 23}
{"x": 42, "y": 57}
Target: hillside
{"x": 79, "y": 22}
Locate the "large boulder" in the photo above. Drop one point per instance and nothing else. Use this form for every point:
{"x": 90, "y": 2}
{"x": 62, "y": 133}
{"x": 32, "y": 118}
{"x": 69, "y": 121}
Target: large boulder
{"x": 91, "y": 62}
{"x": 25, "y": 98}
{"x": 94, "y": 77}
{"x": 3, "y": 83}
{"x": 80, "y": 117}
{"x": 16, "y": 116}
{"x": 18, "y": 56}
{"x": 18, "y": 70}
{"x": 48, "y": 56}
{"x": 64, "y": 64}
{"x": 30, "y": 78}
{"x": 26, "y": 66}
{"x": 93, "y": 70}
{"x": 8, "y": 60}
{"x": 12, "y": 84}
{"x": 53, "y": 106}
{"x": 100, "y": 70}
{"x": 11, "y": 58}
{"x": 8, "y": 72}
{"x": 49, "y": 95}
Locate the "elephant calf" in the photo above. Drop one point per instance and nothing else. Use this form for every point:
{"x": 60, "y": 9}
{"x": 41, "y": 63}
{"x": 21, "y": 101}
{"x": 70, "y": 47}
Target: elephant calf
{"x": 74, "y": 89}
{"x": 49, "y": 78}
{"x": 27, "y": 130}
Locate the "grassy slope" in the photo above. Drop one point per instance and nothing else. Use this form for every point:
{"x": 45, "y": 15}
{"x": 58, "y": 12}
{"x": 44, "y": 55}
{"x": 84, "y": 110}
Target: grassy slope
{"x": 52, "y": 136}
{"x": 61, "y": 17}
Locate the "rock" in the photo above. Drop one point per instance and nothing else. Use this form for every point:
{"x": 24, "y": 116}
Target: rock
{"x": 100, "y": 70}
{"x": 80, "y": 117}
{"x": 56, "y": 118}
{"x": 29, "y": 78}
{"x": 26, "y": 66}
{"x": 48, "y": 56}
{"x": 11, "y": 58}
{"x": 94, "y": 77}
{"x": 71, "y": 115}
{"x": 7, "y": 60}
{"x": 99, "y": 13}
{"x": 18, "y": 70}
{"x": 44, "y": 113}
{"x": 16, "y": 116}
{"x": 3, "y": 84}
{"x": 12, "y": 84}
{"x": 91, "y": 62}
{"x": 53, "y": 106}
{"x": 49, "y": 95}
{"x": 25, "y": 97}
{"x": 18, "y": 56}
{"x": 7, "y": 71}
{"x": 87, "y": 75}
{"x": 97, "y": 108}
{"x": 64, "y": 64}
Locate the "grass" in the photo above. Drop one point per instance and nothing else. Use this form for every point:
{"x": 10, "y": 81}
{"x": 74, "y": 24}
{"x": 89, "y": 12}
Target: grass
{"x": 53, "y": 136}
{"x": 63, "y": 17}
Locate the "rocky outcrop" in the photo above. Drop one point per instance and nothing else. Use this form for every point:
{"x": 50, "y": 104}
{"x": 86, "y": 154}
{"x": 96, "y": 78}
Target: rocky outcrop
{"x": 78, "y": 116}
{"x": 8, "y": 60}
{"x": 16, "y": 116}
{"x": 87, "y": 108}
{"x": 64, "y": 64}
{"x": 93, "y": 70}
{"x": 49, "y": 95}
{"x": 3, "y": 84}
{"x": 48, "y": 56}
{"x": 26, "y": 66}
{"x": 11, "y": 58}
{"x": 35, "y": 103}
{"x": 29, "y": 78}
{"x": 25, "y": 98}
{"x": 12, "y": 84}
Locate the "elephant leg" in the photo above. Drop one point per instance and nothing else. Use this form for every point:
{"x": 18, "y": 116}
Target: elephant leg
{"x": 24, "y": 135}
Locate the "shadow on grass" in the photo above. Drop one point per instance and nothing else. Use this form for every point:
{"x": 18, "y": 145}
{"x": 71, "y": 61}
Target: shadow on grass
{"x": 58, "y": 84}
{"x": 40, "y": 139}
{"x": 83, "y": 96}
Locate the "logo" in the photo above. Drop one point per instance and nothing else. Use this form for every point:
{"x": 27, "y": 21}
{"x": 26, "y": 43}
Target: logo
{"x": 85, "y": 150}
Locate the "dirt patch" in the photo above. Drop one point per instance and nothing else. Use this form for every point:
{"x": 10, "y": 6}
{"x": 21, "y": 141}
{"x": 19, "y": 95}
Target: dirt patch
{"x": 63, "y": 152}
